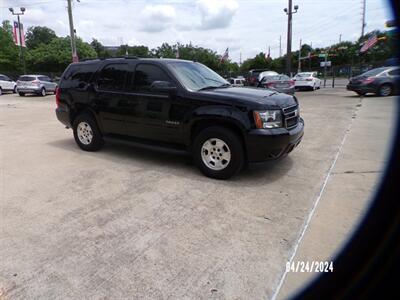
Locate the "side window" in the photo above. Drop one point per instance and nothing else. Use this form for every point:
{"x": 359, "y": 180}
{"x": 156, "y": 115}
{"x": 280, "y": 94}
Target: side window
{"x": 80, "y": 75}
{"x": 112, "y": 77}
{"x": 145, "y": 75}
{"x": 42, "y": 78}
{"x": 395, "y": 72}
{"x": 231, "y": 81}
{"x": 3, "y": 77}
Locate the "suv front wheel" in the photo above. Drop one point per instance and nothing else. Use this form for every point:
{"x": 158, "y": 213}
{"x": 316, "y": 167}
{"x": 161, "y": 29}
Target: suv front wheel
{"x": 218, "y": 152}
{"x": 86, "y": 133}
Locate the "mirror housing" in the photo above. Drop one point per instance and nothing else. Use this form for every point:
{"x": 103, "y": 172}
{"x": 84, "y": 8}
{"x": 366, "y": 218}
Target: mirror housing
{"x": 163, "y": 87}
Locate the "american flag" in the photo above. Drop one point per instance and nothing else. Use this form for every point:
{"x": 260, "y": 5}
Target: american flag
{"x": 225, "y": 56}
{"x": 369, "y": 43}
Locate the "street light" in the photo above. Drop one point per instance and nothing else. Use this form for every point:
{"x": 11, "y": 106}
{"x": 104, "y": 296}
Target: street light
{"x": 289, "y": 13}
{"x": 21, "y": 51}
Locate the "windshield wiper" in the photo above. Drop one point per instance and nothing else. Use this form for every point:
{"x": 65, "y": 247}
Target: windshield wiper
{"x": 224, "y": 85}
{"x": 208, "y": 87}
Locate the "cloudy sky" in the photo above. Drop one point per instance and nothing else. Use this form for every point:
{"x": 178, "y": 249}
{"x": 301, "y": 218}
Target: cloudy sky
{"x": 245, "y": 26}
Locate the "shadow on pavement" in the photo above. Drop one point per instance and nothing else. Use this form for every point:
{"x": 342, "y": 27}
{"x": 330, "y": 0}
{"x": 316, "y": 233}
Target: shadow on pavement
{"x": 178, "y": 165}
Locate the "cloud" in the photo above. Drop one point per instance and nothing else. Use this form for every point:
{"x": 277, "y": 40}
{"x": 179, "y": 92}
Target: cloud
{"x": 157, "y": 18}
{"x": 216, "y": 14}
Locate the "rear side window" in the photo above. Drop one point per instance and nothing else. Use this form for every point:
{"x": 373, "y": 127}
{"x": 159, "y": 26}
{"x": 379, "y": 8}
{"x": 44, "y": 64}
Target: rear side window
{"x": 26, "y": 78}
{"x": 146, "y": 74}
{"x": 43, "y": 78}
{"x": 79, "y": 75}
{"x": 112, "y": 77}
{"x": 3, "y": 78}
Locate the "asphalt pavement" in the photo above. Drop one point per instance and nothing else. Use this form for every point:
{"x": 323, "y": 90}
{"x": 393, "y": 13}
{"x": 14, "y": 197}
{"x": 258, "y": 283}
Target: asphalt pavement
{"x": 130, "y": 223}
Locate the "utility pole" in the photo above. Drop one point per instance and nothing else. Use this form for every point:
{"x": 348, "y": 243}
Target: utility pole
{"x": 340, "y": 38}
{"x": 21, "y": 50}
{"x": 326, "y": 62}
{"x": 289, "y": 13}
{"x": 72, "y": 33}
{"x": 299, "y": 67}
{"x": 363, "y": 17}
{"x": 280, "y": 46}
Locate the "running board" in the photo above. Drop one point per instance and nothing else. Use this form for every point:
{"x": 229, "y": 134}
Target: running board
{"x": 145, "y": 144}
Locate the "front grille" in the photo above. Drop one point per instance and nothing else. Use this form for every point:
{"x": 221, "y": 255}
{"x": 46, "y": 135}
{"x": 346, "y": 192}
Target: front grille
{"x": 291, "y": 116}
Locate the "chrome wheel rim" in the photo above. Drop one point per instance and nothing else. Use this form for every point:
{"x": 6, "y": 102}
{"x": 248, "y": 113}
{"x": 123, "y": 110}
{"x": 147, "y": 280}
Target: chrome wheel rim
{"x": 215, "y": 154}
{"x": 43, "y": 92}
{"x": 85, "y": 133}
{"x": 386, "y": 90}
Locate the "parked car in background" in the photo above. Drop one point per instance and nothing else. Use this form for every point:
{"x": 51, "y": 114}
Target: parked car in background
{"x": 7, "y": 84}
{"x": 35, "y": 84}
{"x": 266, "y": 73}
{"x": 383, "y": 81}
{"x": 280, "y": 83}
{"x": 237, "y": 81}
{"x": 252, "y": 77}
{"x": 180, "y": 105}
{"x": 307, "y": 80}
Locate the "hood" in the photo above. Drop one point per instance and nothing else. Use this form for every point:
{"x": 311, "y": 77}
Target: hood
{"x": 250, "y": 96}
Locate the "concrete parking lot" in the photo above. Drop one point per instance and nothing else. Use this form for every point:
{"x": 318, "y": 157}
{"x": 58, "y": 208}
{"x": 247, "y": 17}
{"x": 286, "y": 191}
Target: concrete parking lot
{"x": 130, "y": 223}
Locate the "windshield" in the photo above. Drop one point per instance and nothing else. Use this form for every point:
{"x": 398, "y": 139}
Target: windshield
{"x": 374, "y": 72}
{"x": 26, "y": 78}
{"x": 195, "y": 76}
{"x": 275, "y": 78}
{"x": 304, "y": 75}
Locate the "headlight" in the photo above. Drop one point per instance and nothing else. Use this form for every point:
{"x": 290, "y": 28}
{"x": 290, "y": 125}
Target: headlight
{"x": 268, "y": 118}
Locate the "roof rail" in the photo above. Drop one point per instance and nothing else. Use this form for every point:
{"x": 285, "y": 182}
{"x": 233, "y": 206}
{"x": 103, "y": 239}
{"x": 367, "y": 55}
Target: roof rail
{"x": 124, "y": 56}
{"x": 104, "y": 58}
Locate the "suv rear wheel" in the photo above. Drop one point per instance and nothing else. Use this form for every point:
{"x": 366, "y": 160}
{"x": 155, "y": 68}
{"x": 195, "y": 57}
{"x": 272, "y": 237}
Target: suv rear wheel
{"x": 218, "y": 152}
{"x": 43, "y": 92}
{"x": 86, "y": 133}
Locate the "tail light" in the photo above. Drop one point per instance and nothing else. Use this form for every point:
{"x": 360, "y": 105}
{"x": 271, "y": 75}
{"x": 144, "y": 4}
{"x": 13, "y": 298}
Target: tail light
{"x": 270, "y": 84}
{"x": 368, "y": 80}
{"x": 58, "y": 96}
{"x": 37, "y": 82}
{"x": 292, "y": 82}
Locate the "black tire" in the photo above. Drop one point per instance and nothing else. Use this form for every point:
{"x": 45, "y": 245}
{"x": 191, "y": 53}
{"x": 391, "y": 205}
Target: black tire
{"x": 385, "y": 90}
{"x": 43, "y": 92}
{"x": 96, "y": 141}
{"x": 1, "y": 91}
{"x": 360, "y": 94}
{"x": 15, "y": 90}
{"x": 234, "y": 144}
{"x": 21, "y": 94}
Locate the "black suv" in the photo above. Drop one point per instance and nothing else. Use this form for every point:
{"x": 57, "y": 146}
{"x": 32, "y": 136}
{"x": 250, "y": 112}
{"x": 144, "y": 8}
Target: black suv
{"x": 178, "y": 104}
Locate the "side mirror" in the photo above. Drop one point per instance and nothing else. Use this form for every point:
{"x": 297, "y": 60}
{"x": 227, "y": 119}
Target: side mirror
{"x": 163, "y": 87}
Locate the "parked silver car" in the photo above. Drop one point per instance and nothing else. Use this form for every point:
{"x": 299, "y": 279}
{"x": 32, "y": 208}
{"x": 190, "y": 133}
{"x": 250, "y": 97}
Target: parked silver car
{"x": 6, "y": 84}
{"x": 35, "y": 84}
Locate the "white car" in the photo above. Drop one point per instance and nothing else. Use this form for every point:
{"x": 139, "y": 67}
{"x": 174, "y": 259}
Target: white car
{"x": 265, "y": 74}
{"x": 7, "y": 85}
{"x": 307, "y": 80}
{"x": 237, "y": 81}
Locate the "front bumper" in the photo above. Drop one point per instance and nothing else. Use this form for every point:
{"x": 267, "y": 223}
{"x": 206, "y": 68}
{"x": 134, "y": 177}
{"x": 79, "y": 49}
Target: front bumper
{"x": 268, "y": 144}
{"x": 361, "y": 88}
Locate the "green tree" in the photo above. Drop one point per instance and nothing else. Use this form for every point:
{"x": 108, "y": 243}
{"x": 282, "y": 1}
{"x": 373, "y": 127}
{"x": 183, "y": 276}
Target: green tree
{"x": 56, "y": 55}
{"x": 37, "y": 35}
{"x": 101, "y": 51}
{"x": 9, "y": 53}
